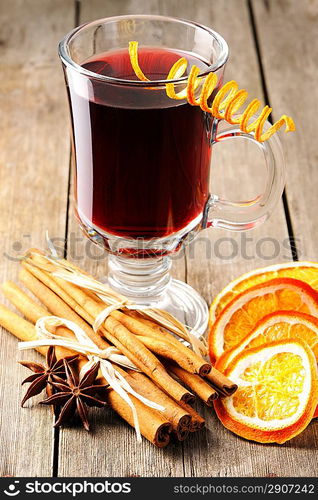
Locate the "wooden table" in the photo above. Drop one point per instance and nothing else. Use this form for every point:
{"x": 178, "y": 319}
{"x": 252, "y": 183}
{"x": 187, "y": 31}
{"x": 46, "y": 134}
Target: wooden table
{"x": 273, "y": 54}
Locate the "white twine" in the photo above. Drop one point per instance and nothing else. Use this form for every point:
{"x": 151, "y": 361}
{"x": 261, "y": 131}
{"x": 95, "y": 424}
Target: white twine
{"x": 84, "y": 345}
{"x": 51, "y": 245}
{"x": 100, "y": 318}
{"x": 115, "y": 301}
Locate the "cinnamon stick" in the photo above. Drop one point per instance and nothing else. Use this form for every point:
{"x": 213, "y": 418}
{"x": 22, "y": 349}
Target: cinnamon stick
{"x": 146, "y": 328}
{"x": 195, "y": 383}
{"x": 221, "y": 383}
{"x": 146, "y": 361}
{"x": 27, "y": 306}
{"x": 19, "y": 327}
{"x": 25, "y": 331}
{"x": 114, "y": 331}
{"x": 33, "y": 311}
{"x": 30, "y": 309}
{"x": 153, "y": 426}
{"x": 189, "y": 398}
{"x": 47, "y": 280}
{"x": 178, "y": 417}
{"x": 149, "y": 333}
{"x": 53, "y": 284}
{"x": 182, "y": 433}
{"x": 76, "y": 298}
{"x": 57, "y": 306}
{"x": 169, "y": 351}
{"x": 197, "y": 422}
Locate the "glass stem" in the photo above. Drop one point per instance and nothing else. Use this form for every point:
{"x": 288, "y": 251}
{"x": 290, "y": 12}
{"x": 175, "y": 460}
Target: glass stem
{"x": 143, "y": 280}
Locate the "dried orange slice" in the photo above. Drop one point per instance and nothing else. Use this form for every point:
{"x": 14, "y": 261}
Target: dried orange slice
{"x": 240, "y": 316}
{"x": 304, "y": 271}
{"x": 277, "y": 392}
{"x": 276, "y": 326}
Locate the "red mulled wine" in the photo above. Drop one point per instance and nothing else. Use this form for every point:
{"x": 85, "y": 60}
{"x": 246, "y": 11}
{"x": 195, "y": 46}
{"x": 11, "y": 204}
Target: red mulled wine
{"x": 142, "y": 159}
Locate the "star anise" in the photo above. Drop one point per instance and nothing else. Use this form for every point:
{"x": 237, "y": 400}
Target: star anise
{"x": 44, "y": 375}
{"x": 73, "y": 394}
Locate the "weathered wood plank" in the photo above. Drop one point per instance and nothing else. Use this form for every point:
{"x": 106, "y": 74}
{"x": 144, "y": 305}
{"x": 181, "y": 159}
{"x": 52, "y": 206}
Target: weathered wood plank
{"x": 216, "y": 451}
{"x": 287, "y": 32}
{"x": 237, "y": 168}
{"x": 111, "y": 449}
{"x": 34, "y": 156}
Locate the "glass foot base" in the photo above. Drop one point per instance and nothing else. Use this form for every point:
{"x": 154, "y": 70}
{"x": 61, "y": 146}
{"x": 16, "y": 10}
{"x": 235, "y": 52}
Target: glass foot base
{"x": 187, "y": 305}
{"x": 181, "y": 300}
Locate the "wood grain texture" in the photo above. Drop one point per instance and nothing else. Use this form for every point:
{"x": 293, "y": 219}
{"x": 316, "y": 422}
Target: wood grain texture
{"x": 121, "y": 454}
{"x": 287, "y": 32}
{"x": 237, "y": 167}
{"x": 203, "y": 454}
{"x": 34, "y": 159}
{"x": 34, "y": 156}
{"x": 215, "y": 451}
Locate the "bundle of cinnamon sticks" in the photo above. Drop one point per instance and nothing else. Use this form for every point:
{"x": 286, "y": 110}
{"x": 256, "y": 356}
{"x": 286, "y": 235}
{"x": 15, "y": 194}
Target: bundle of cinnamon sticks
{"x": 167, "y": 371}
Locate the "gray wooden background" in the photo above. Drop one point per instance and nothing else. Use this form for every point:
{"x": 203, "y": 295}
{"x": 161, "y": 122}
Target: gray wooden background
{"x": 274, "y": 55}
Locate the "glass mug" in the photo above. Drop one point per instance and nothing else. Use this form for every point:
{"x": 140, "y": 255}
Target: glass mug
{"x": 142, "y": 159}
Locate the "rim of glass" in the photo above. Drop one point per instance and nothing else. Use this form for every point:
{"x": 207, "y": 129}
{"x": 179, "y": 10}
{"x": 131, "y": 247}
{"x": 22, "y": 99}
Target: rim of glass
{"x": 68, "y": 61}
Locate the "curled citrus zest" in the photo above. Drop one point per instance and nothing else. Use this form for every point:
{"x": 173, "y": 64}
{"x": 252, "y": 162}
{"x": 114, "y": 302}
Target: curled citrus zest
{"x": 284, "y": 119}
{"x": 193, "y": 83}
{"x": 227, "y": 101}
{"x": 237, "y": 101}
{"x": 221, "y": 100}
{"x": 177, "y": 71}
{"x": 260, "y": 122}
{"x": 255, "y": 124}
{"x": 133, "y": 55}
{"x": 209, "y": 85}
{"x": 249, "y": 112}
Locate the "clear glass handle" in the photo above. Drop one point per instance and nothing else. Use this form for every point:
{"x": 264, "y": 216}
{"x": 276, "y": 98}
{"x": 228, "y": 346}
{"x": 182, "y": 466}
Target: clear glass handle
{"x": 243, "y": 215}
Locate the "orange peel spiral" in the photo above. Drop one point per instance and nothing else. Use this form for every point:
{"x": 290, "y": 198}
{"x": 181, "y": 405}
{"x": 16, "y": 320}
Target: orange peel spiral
{"x": 133, "y": 56}
{"x": 226, "y": 103}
